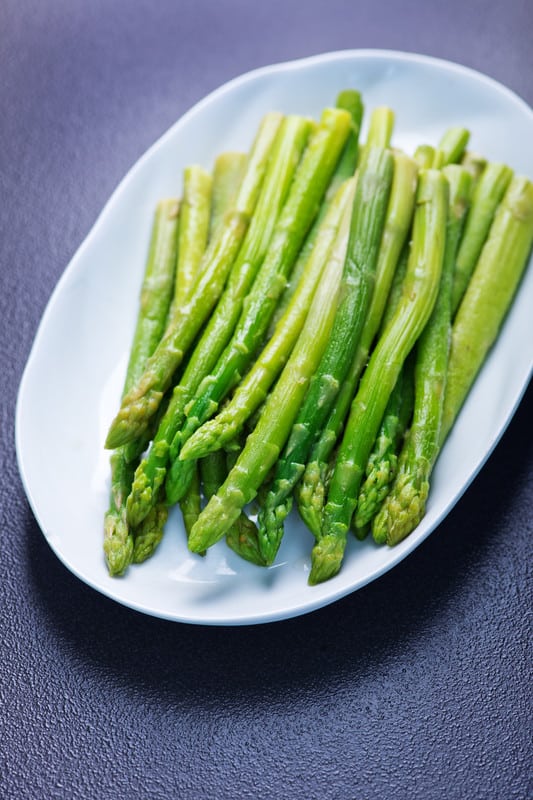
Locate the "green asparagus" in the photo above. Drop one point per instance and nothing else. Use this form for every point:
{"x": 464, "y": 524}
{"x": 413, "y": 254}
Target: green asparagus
{"x": 349, "y": 100}
{"x": 313, "y": 486}
{"x": 228, "y": 173}
{"x": 194, "y": 224}
{"x": 489, "y": 294}
{"x": 310, "y": 182}
{"x": 286, "y": 153}
{"x": 141, "y": 402}
{"x": 368, "y": 219}
{"x": 405, "y": 504}
{"x": 487, "y": 195}
{"x": 156, "y": 296}
{"x": 379, "y": 378}
{"x": 451, "y": 147}
{"x": 264, "y": 444}
{"x": 382, "y": 464}
{"x": 252, "y": 391}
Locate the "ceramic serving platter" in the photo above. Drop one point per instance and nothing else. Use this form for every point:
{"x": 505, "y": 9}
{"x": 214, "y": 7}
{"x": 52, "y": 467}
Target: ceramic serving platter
{"x": 72, "y": 382}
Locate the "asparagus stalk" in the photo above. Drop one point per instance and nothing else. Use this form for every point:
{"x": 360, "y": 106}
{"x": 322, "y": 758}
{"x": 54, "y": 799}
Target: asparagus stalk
{"x": 194, "y": 224}
{"x": 475, "y": 164}
{"x": 252, "y": 391}
{"x": 349, "y": 100}
{"x": 487, "y": 195}
{"x": 227, "y": 177}
{"x": 383, "y": 461}
{"x": 310, "y": 182}
{"x": 286, "y": 153}
{"x": 264, "y": 444}
{"x": 451, "y": 147}
{"x": 156, "y": 296}
{"x": 379, "y": 378}
{"x": 405, "y": 505}
{"x": 489, "y": 294}
{"x": 190, "y": 503}
{"x": 312, "y": 488}
{"x": 141, "y": 402}
{"x": 368, "y": 219}
{"x": 424, "y": 156}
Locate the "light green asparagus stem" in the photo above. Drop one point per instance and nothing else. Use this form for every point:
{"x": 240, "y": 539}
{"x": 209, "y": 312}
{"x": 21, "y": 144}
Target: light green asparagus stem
{"x": 383, "y": 461}
{"x": 227, "y": 177}
{"x": 252, "y": 391}
{"x": 194, "y": 224}
{"x": 489, "y": 294}
{"x": 368, "y": 218}
{"x": 424, "y": 156}
{"x": 451, "y": 147}
{"x": 264, "y": 444}
{"x": 380, "y": 128}
{"x": 312, "y": 488}
{"x": 379, "y": 378}
{"x": 475, "y": 164}
{"x": 310, "y": 182}
{"x": 405, "y": 505}
{"x": 143, "y": 399}
{"x": 156, "y": 296}
{"x": 487, "y": 195}
{"x": 350, "y": 100}
{"x": 286, "y": 153}
{"x": 190, "y": 503}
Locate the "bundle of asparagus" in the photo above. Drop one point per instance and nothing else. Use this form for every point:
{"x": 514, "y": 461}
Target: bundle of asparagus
{"x": 311, "y": 320}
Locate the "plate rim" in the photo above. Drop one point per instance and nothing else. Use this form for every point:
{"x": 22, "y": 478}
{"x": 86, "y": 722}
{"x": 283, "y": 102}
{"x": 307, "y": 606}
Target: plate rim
{"x": 411, "y": 543}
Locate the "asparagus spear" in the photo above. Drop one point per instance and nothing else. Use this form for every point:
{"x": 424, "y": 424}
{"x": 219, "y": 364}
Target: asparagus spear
{"x": 227, "y": 176}
{"x": 379, "y": 378}
{"x": 451, "y": 147}
{"x": 312, "y": 488}
{"x": 368, "y": 219}
{"x": 264, "y": 444}
{"x": 404, "y": 506}
{"x": 424, "y": 156}
{"x": 475, "y": 164}
{"x": 149, "y": 533}
{"x": 489, "y": 294}
{"x": 310, "y": 182}
{"x": 194, "y": 223}
{"x": 383, "y": 461}
{"x": 156, "y": 295}
{"x": 487, "y": 195}
{"x": 252, "y": 391}
{"x": 143, "y": 399}
{"x": 350, "y": 100}
{"x": 286, "y": 153}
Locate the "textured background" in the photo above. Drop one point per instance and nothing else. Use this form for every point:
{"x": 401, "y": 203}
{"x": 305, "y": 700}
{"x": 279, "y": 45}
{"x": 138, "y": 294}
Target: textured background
{"x": 415, "y": 686}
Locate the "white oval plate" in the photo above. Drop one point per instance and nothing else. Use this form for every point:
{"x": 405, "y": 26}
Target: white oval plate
{"x": 71, "y": 386}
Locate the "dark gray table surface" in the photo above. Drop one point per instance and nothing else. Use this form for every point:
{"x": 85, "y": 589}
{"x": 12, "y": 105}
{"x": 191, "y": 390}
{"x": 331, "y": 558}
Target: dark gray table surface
{"x": 416, "y": 686}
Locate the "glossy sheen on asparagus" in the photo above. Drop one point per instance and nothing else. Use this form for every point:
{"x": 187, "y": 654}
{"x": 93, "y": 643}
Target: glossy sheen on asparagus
{"x": 310, "y": 182}
{"x": 143, "y": 399}
{"x": 487, "y": 196}
{"x": 156, "y": 296}
{"x": 377, "y": 383}
{"x": 405, "y": 505}
{"x": 253, "y": 389}
{"x": 286, "y": 153}
{"x": 382, "y": 463}
{"x": 264, "y": 444}
{"x": 195, "y": 212}
{"x": 312, "y": 489}
{"x": 368, "y": 219}
{"x": 489, "y": 294}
